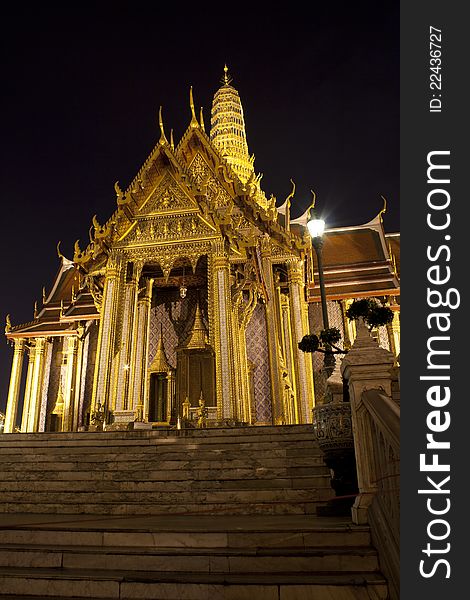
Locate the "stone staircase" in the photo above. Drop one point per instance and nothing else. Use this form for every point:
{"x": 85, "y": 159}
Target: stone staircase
{"x": 176, "y": 515}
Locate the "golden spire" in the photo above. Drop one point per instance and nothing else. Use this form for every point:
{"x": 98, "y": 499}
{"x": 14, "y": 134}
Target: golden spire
{"x": 197, "y": 337}
{"x": 162, "y": 141}
{"x": 59, "y": 403}
{"x": 226, "y": 79}
{"x": 201, "y": 119}
{"x": 160, "y": 362}
{"x": 228, "y": 129}
{"x": 194, "y": 122}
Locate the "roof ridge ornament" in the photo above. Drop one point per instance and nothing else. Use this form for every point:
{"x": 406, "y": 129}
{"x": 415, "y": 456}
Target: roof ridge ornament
{"x": 194, "y": 123}
{"x": 162, "y": 141}
{"x": 384, "y": 209}
{"x": 201, "y": 120}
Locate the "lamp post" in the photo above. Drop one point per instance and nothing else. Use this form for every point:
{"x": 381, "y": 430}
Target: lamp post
{"x": 316, "y": 228}
{"x": 333, "y": 420}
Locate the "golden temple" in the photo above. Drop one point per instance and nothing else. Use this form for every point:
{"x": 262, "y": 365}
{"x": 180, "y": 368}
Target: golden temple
{"x": 197, "y": 287}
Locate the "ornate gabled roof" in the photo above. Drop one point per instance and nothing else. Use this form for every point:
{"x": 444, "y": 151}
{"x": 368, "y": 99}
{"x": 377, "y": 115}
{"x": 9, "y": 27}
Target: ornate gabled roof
{"x": 357, "y": 262}
{"x": 64, "y": 305}
{"x": 193, "y": 178}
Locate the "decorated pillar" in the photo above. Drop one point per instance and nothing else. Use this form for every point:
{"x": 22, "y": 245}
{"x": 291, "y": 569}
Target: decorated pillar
{"x": 69, "y": 385}
{"x": 242, "y": 311}
{"x": 36, "y": 385}
{"x": 299, "y": 326}
{"x": 31, "y": 348}
{"x": 139, "y": 364}
{"x": 102, "y": 383}
{"x": 272, "y": 327}
{"x": 291, "y": 406}
{"x": 14, "y": 389}
{"x": 221, "y": 331}
{"x": 128, "y": 339}
{"x": 45, "y": 385}
{"x": 393, "y": 329}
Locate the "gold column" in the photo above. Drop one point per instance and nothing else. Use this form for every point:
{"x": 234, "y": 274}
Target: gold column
{"x": 69, "y": 387}
{"x": 288, "y": 345}
{"x": 128, "y": 341}
{"x": 393, "y": 330}
{"x": 138, "y": 389}
{"x": 299, "y": 326}
{"x": 221, "y": 331}
{"x": 102, "y": 382}
{"x": 237, "y": 334}
{"x": 347, "y": 337}
{"x": 31, "y": 348}
{"x": 272, "y": 328}
{"x": 14, "y": 389}
{"x": 36, "y": 385}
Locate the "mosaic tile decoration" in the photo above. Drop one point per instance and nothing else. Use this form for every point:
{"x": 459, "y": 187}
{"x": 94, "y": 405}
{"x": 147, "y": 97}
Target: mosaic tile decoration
{"x": 257, "y": 353}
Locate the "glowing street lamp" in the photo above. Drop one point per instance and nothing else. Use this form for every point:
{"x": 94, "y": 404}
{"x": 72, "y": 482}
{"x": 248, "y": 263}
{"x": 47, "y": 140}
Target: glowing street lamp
{"x": 316, "y": 228}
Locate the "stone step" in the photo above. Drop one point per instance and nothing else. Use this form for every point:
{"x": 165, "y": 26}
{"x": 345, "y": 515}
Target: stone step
{"x": 111, "y": 485}
{"x": 47, "y": 583}
{"x": 143, "y": 473}
{"x": 226, "y": 450}
{"x": 183, "y": 531}
{"x": 226, "y": 560}
{"x": 25, "y": 442}
{"x": 159, "y": 508}
{"x": 178, "y": 497}
{"x": 195, "y": 462}
{"x": 225, "y": 432}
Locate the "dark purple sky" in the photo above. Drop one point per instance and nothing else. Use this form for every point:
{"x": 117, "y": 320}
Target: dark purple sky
{"x": 80, "y": 98}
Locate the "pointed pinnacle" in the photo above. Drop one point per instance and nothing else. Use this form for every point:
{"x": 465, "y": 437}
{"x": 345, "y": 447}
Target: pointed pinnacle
{"x": 194, "y": 122}
{"x": 162, "y": 141}
{"x": 201, "y": 120}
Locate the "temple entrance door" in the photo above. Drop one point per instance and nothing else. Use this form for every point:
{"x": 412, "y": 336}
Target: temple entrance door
{"x": 158, "y": 397}
{"x": 196, "y": 373}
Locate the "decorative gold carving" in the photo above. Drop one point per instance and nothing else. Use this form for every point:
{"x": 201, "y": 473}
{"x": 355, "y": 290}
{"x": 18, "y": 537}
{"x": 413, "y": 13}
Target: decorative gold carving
{"x": 197, "y": 338}
{"x": 186, "y": 408}
{"x": 202, "y": 413}
{"x": 160, "y": 362}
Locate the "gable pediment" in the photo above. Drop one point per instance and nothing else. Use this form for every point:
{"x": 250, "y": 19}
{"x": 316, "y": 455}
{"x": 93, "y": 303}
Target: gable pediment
{"x": 167, "y": 198}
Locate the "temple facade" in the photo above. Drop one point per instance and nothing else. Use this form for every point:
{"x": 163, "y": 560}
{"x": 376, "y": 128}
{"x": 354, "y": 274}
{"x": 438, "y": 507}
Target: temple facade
{"x": 189, "y": 302}
{"x": 191, "y": 296}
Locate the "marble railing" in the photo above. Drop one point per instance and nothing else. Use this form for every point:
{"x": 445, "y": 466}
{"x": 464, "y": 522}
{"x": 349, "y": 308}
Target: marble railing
{"x": 383, "y": 421}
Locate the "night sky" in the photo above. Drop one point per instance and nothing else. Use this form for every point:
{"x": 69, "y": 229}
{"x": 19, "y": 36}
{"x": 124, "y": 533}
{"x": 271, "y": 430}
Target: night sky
{"x": 80, "y": 98}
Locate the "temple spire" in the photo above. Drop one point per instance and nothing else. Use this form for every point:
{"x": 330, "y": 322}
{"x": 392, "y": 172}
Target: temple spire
{"x": 228, "y": 129}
